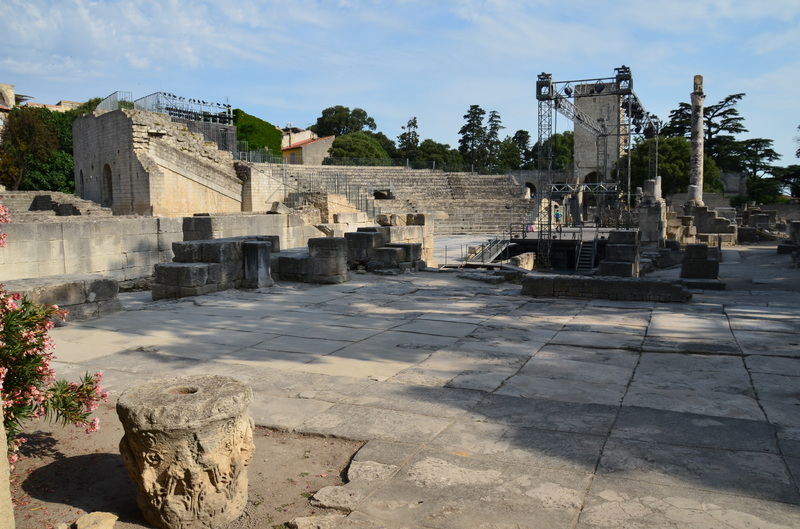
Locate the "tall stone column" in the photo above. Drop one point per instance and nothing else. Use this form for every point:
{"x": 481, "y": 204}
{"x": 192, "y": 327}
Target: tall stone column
{"x": 696, "y": 174}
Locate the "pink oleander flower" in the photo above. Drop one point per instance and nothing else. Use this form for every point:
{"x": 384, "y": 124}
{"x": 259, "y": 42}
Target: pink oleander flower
{"x": 94, "y": 425}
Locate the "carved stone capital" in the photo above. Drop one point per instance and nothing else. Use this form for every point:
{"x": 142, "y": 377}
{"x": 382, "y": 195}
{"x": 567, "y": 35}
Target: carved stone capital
{"x": 187, "y": 445}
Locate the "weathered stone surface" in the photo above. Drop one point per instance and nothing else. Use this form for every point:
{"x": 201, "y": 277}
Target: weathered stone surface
{"x": 627, "y": 289}
{"x": 279, "y": 208}
{"x": 696, "y": 251}
{"x": 328, "y": 521}
{"x": 257, "y": 270}
{"x": 97, "y": 520}
{"x": 187, "y": 445}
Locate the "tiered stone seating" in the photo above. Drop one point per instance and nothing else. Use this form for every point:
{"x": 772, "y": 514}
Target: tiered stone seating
{"x": 32, "y": 205}
{"x": 473, "y": 203}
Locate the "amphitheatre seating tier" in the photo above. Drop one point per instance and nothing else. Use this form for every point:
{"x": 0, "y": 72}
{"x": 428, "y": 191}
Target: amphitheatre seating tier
{"x": 31, "y": 205}
{"x": 473, "y": 203}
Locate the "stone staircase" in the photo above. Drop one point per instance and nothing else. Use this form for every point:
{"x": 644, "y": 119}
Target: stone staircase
{"x": 473, "y": 203}
{"x": 40, "y": 205}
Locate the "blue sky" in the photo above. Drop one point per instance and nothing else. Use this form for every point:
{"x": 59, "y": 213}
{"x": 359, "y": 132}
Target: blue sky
{"x": 287, "y": 60}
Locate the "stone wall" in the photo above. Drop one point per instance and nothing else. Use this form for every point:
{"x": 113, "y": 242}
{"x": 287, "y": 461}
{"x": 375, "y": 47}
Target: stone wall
{"x": 142, "y": 163}
{"x": 119, "y": 247}
{"x": 329, "y": 205}
{"x": 585, "y": 148}
{"x": 83, "y": 295}
{"x": 128, "y": 247}
{"x": 262, "y": 184}
{"x": 622, "y": 289}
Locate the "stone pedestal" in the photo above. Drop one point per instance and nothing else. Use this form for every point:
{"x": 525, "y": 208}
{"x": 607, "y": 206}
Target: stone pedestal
{"x": 698, "y": 264}
{"x": 257, "y": 269}
{"x": 187, "y": 445}
{"x": 622, "y": 255}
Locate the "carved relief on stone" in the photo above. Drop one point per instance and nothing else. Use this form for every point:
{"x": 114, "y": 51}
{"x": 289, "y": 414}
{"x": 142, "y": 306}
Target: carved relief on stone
{"x": 187, "y": 445}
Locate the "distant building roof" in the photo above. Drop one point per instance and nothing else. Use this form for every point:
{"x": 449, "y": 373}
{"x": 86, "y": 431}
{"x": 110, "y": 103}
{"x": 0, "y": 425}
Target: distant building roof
{"x": 305, "y": 142}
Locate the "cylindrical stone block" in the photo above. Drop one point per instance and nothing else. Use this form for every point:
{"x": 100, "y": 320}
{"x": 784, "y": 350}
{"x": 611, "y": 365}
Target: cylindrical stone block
{"x": 187, "y": 445}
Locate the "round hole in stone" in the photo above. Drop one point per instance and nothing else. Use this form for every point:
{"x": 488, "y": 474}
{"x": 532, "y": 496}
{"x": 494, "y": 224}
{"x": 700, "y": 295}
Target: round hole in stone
{"x": 182, "y": 390}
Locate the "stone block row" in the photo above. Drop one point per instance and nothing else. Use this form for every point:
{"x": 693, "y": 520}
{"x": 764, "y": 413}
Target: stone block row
{"x": 618, "y": 288}
{"x": 83, "y": 295}
{"x": 325, "y": 261}
{"x": 203, "y": 267}
{"x": 387, "y": 246}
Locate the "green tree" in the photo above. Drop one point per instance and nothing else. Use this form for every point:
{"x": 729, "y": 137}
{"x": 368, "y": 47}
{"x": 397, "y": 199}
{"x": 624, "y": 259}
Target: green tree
{"x": 473, "y": 138}
{"x": 721, "y": 122}
{"x": 508, "y": 156}
{"x": 408, "y": 140}
{"x": 562, "y": 145}
{"x": 526, "y": 156}
{"x": 358, "y": 145}
{"x": 386, "y": 143}
{"x": 440, "y": 155}
{"x": 36, "y": 153}
{"x": 797, "y": 140}
{"x": 674, "y": 165}
{"x": 340, "y": 120}
{"x": 754, "y": 157}
{"x": 789, "y": 178}
{"x": 29, "y": 139}
{"x": 492, "y": 145}
{"x": 258, "y": 134}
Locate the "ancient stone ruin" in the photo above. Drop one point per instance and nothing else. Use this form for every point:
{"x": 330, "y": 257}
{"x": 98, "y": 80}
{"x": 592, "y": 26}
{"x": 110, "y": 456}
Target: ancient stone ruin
{"x": 187, "y": 445}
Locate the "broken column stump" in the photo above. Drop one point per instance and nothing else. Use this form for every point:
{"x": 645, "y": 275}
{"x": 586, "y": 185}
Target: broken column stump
{"x": 187, "y": 445}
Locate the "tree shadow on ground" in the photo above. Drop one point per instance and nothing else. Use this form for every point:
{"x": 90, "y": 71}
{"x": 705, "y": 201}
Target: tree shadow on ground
{"x": 92, "y": 482}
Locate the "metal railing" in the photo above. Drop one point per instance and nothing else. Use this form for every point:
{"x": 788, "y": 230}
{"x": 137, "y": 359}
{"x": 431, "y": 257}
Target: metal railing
{"x": 116, "y": 101}
{"x": 338, "y": 184}
{"x": 244, "y": 154}
{"x": 487, "y": 251}
{"x": 399, "y": 162}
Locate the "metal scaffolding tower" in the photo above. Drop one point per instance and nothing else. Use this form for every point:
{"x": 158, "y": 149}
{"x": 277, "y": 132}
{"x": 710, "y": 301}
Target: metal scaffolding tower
{"x": 557, "y": 97}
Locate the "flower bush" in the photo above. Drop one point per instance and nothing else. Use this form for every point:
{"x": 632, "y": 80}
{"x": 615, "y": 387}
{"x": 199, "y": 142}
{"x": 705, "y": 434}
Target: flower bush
{"x": 28, "y": 387}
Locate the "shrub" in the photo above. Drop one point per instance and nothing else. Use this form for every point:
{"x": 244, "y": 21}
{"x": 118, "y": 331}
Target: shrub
{"x": 28, "y": 387}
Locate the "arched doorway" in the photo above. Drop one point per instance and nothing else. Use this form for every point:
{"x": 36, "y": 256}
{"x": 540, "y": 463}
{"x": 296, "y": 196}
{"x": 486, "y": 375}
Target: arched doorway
{"x": 531, "y": 190}
{"x": 107, "y": 188}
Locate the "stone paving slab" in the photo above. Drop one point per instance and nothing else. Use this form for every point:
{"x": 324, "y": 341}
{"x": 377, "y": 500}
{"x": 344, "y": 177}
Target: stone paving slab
{"x": 570, "y": 370}
{"x": 598, "y": 340}
{"x": 769, "y": 343}
{"x": 690, "y": 345}
{"x": 545, "y": 414}
{"x": 295, "y": 344}
{"x": 687, "y": 326}
{"x": 605, "y": 327}
{"x": 695, "y": 430}
{"x": 700, "y": 468}
{"x": 713, "y": 404}
{"x": 559, "y": 389}
{"x": 612, "y": 357}
{"x": 483, "y": 408}
{"x": 503, "y": 495}
{"x": 524, "y": 446}
{"x": 731, "y": 379}
{"x": 263, "y": 357}
{"x": 773, "y": 365}
{"x": 777, "y": 387}
{"x": 629, "y": 504}
{"x": 437, "y": 328}
{"x": 363, "y": 422}
{"x": 286, "y": 413}
{"x": 432, "y": 401}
